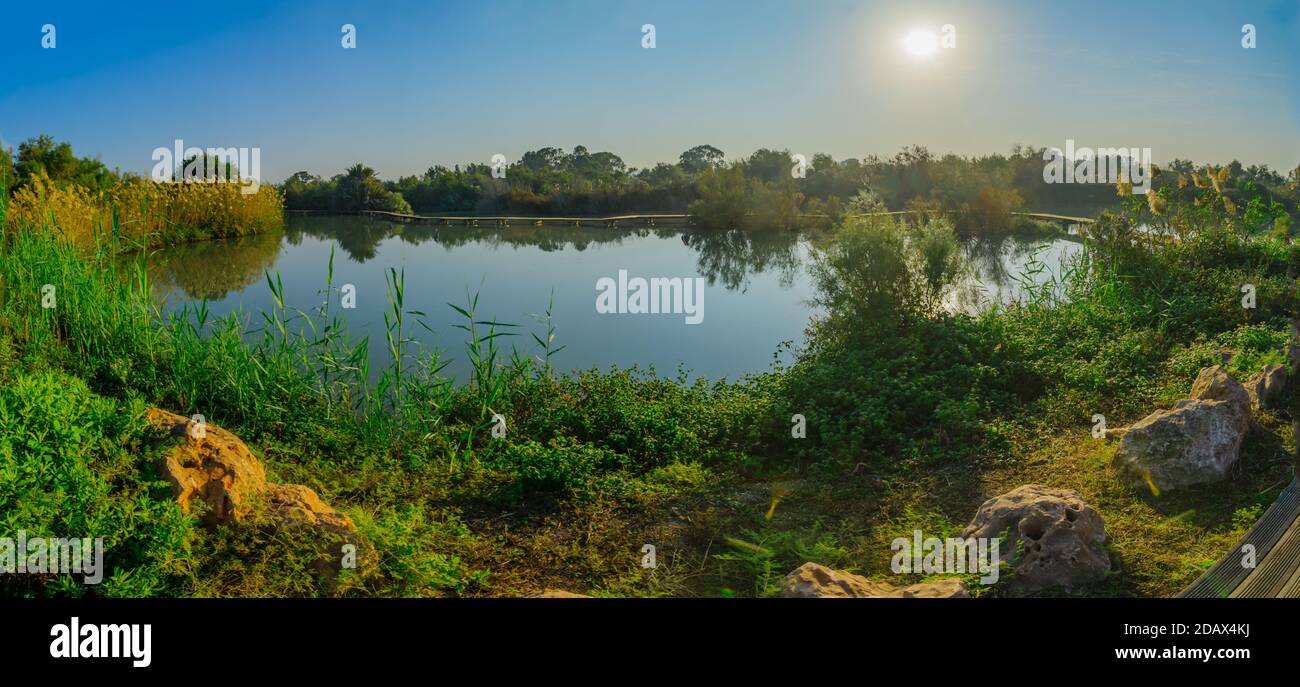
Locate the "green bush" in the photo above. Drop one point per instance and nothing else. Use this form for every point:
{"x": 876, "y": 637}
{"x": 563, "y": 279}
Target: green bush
{"x": 758, "y": 559}
{"x": 75, "y": 465}
{"x": 893, "y": 392}
{"x": 650, "y": 420}
{"x": 561, "y": 463}
{"x": 413, "y": 545}
{"x": 1137, "y": 300}
{"x": 879, "y": 268}
{"x": 885, "y": 373}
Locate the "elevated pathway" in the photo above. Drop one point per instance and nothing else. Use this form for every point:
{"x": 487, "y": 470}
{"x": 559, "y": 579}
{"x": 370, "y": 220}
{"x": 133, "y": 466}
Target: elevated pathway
{"x": 649, "y": 219}
{"x": 1276, "y": 541}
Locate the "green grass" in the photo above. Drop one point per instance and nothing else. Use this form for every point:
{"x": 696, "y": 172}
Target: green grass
{"x": 76, "y": 465}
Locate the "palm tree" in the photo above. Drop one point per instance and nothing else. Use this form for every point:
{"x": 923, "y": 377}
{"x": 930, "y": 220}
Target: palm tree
{"x": 357, "y": 186}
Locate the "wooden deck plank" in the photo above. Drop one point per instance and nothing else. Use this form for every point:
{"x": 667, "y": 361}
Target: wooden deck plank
{"x": 1227, "y": 575}
{"x": 1292, "y": 588}
{"x": 1274, "y": 572}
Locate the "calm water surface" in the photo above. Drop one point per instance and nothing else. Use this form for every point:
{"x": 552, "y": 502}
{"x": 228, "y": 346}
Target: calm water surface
{"x": 756, "y": 295}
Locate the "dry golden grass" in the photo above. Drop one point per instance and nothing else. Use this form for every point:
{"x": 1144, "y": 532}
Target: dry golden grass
{"x": 148, "y": 213}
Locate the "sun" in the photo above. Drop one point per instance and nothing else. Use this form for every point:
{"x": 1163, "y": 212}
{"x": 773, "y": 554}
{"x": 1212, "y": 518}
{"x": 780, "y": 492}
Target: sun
{"x": 921, "y": 44}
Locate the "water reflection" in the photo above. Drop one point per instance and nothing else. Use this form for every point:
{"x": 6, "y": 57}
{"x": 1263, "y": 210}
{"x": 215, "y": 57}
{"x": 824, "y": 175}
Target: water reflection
{"x": 211, "y": 270}
{"x": 1000, "y": 267}
{"x": 728, "y": 258}
{"x": 758, "y": 293}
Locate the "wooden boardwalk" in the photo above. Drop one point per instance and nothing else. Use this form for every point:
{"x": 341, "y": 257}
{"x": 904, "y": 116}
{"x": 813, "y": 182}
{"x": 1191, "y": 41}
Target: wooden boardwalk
{"x": 507, "y": 220}
{"x": 1275, "y": 539}
{"x": 646, "y": 219}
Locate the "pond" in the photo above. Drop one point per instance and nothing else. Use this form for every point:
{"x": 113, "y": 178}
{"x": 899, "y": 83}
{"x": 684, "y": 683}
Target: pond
{"x": 755, "y": 289}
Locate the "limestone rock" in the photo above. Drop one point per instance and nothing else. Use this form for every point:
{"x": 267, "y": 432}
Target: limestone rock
{"x": 813, "y": 581}
{"x": 1195, "y": 442}
{"x": 1215, "y": 384}
{"x": 217, "y": 469}
{"x": 1266, "y": 387}
{"x": 1050, "y": 537}
{"x": 296, "y": 503}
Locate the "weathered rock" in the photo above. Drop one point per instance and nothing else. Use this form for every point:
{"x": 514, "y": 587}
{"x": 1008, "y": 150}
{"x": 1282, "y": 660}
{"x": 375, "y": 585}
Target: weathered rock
{"x": 295, "y": 505}
{"x": 1195, "y": 442}
{"x": 1050, "y": 537}
{"x": 298, "y": 504}
{"x": 556, "y": 594}
{"x": 217, "y": 469}
{"x": 1215, "y": 384}
{"x": 813, "y": 581}
{"x": 1266, "y": 387}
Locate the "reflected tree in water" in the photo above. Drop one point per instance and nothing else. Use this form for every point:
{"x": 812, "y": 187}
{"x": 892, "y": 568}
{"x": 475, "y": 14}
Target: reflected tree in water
{"x": 212, "y": 269}
{"x": 727, "y": 257}
{"x": 730, "y": 257}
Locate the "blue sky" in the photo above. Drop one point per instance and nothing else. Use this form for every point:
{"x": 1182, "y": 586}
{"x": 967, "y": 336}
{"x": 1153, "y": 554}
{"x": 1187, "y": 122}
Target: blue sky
{"x": 455, "y": 82}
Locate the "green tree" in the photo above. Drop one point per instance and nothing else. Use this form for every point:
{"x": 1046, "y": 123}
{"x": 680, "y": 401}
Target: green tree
{"x": 769, "y": 165}
{"x": 360, "y": 189}
{"x": 722, "y": 201}
{"x": 701, "y": 158}
{"x": 41, "y": 154}
{"x": 357, "y": 186}
{"x": 544, "y": 159}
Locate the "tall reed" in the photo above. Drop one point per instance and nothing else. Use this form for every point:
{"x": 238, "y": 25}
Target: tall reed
{"x": 138, "y": 213}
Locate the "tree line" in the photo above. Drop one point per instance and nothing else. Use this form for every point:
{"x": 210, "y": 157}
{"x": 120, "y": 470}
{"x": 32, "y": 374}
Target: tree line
{"x": 768, "y": 189}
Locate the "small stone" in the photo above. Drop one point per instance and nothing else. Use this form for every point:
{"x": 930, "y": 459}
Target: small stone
{"x": 813, "y": 581}
{"x": 1050, "y": 537}
{"x": 556, "y": 594}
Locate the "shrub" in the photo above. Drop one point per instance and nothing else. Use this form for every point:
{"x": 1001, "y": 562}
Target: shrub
{"x": 992, "y": 208}
{"x": 561, "y": 464}
{"x": 878, "y": 268}
{"x": 889, "y": 392}
{"x": 722, "y": 203}
{"x": 75, "y": 465}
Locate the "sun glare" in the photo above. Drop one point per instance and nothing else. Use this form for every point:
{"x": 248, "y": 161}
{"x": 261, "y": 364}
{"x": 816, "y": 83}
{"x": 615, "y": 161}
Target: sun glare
{"x": 921, "y": 44}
